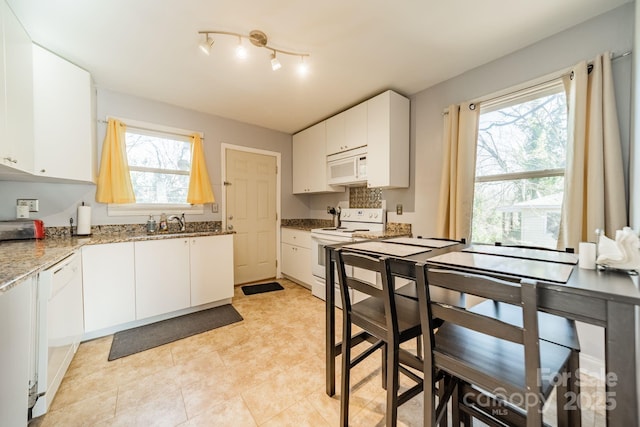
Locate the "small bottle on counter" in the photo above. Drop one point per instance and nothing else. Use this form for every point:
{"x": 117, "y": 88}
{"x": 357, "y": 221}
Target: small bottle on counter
{"x": 151, "y": 224}
{"x": 163, "y": 222}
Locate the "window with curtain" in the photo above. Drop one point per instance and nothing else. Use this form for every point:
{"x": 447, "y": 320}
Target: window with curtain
{"x": 160, "y": 165}
{"x": 520, "y": 165}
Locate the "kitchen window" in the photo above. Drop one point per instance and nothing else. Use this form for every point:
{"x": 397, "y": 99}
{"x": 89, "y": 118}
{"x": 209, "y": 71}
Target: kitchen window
{"x": 159, "y": 161}
{"x": 520, "y": 163}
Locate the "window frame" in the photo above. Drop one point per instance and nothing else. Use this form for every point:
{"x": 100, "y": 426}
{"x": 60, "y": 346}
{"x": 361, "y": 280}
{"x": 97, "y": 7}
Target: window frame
{"x": 132, "y": 209}
{"x": 505, "y": 100}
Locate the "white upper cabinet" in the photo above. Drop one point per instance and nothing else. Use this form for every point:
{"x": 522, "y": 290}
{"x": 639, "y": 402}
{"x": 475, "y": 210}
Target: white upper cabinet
{"x": 310, "y": 161}
{"x": 64, "y": 142}
{"x": 347, "y": 130}
{"x": 388, "y": 141}
{"x": 16, "y": 95}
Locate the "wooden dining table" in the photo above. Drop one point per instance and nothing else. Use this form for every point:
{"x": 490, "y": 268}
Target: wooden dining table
{"x": 605, "y": 298}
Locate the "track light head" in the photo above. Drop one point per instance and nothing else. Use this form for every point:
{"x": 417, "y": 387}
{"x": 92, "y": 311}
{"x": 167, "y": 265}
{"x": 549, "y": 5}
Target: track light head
{"x": 275, "y": 64}
{"x": 206, "y": 45}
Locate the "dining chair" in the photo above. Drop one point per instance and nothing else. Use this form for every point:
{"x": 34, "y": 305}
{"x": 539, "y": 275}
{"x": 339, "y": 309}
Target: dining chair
{"x": 389, "y": 320}
{"x": 505, "y": 371}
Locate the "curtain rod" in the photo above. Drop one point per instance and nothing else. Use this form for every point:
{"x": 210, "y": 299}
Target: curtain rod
{"x": 155, "y": 130}
{"x": 542, "y": 81}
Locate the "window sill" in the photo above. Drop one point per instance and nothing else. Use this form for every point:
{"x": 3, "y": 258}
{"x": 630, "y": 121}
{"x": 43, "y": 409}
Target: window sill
{"x": 131, "y": 209}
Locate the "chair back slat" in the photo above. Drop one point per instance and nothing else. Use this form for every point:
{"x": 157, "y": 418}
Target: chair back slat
{"x": 477, "y": 322}
{"x": 481, "y": 286}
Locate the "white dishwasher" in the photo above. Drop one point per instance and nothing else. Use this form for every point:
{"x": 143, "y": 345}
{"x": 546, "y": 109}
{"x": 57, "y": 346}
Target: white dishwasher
{"x": 60, "y": 326}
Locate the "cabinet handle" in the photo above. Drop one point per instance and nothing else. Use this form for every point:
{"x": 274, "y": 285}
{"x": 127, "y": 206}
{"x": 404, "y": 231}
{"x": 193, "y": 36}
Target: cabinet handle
{"x": 42, "y": 170}
{"x": 11, "y": 160}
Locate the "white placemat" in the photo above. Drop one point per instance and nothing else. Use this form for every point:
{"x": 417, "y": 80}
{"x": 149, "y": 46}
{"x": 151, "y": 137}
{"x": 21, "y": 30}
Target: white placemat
{"x": 526, "y": 253}
{"x": 381, "y": 247}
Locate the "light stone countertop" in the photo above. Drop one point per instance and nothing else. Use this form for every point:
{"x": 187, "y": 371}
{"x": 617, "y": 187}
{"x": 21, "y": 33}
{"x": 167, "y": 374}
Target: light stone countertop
{"x": 20, "y": 259}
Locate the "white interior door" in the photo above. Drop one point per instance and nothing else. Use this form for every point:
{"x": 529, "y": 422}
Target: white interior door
{"x": 250, "y": 186}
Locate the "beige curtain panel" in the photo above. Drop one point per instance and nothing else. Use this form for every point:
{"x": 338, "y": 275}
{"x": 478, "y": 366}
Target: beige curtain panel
{"x": 114, "y": 181}
{"x": 199, "y": 183}
{"x": 460, "y": 136}
{"x": 594, "y": 192}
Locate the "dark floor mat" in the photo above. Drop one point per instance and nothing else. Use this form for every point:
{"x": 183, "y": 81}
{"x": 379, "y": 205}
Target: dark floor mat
{"x": 263, "y": 287}
{"x": 142, "y": 338}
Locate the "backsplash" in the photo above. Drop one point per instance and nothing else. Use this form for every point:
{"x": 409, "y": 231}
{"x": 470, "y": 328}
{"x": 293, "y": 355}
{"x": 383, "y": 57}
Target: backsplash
{"x": 192, "y": 227}
{"x": 363, "y": 197}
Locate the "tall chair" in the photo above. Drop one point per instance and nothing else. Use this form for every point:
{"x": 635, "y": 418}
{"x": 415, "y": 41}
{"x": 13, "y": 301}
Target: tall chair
{"x": 505, "y": 372}
{"x": 390, "y": 320}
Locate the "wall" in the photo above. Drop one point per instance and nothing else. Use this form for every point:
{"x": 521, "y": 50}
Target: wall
{"x": 58, "y": 202}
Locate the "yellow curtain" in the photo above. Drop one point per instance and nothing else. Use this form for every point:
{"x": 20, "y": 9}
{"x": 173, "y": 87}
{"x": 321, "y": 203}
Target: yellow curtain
{"x": 455, "y": 206}
{"x": 114, "y": 181}
{"x": 199, "y": 183}
{"x": 594, "y": 192}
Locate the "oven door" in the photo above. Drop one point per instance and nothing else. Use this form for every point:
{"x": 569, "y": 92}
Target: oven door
{"x": 318, "y": 242}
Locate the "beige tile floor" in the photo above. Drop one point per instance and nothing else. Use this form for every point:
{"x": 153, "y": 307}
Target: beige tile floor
{"x": 267, "y": 370}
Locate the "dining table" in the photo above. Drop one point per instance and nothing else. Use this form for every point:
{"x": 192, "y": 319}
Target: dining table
{"x": 604, "y": 297}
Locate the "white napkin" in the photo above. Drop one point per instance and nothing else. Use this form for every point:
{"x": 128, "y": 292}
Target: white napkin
{"x": 622, "y": 253}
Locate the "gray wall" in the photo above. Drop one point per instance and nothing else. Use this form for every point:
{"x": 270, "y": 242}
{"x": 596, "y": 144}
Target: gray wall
{"x": 58, "y": 202}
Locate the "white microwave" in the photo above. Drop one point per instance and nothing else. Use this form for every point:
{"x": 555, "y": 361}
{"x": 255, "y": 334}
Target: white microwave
{"x": 348, "y": 167}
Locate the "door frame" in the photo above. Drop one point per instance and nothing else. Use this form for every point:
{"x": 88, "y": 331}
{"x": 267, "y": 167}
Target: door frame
{"x": 223, "y": 204}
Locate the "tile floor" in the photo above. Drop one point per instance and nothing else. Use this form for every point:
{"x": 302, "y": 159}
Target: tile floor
{"x": 267, "y": 370}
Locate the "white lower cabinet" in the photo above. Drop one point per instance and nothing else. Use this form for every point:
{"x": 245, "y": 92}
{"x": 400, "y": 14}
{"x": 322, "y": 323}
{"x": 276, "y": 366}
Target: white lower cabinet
{"x": 211, "y": 269}
{"x": 15, "y": 352}
{"x": 296, "y": 255}
{"x": 162, "y": 276}
{"x": 108, "y": 279}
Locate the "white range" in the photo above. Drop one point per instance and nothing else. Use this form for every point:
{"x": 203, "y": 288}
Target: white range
{"x": 353, "y": 221}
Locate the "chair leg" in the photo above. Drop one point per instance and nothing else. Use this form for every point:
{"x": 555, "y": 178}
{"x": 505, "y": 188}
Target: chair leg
{"x": 346, "y": 373}
{"x": 385, "y": 353}
{"x": 441, "y": 391}
{"x": 393, "y": 385}
{"x": 575, "y": 416}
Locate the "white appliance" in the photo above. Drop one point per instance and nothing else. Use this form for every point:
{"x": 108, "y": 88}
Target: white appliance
{"x": 60, "y": 326}
{"x": 353, "y": 220}
{"x": 348, "y": 167}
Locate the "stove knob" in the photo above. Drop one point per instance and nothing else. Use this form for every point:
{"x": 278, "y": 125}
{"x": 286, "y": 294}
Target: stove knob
{"x": 375, "y": 215}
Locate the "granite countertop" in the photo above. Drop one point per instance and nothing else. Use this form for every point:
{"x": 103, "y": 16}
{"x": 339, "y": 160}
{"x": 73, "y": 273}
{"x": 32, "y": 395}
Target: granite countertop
{"x": 22, "y": 258}
{"x": 391, "y": 230}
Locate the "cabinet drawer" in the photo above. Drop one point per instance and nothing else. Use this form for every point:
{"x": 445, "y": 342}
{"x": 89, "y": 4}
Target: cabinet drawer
{"x": 296, "y": 237}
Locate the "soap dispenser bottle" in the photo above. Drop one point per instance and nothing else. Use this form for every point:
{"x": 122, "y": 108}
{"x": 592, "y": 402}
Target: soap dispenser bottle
{"x": 151, "y": 225}
{"x": 163, "y": 222}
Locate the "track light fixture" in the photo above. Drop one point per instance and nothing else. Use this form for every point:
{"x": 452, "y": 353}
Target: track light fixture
{"x": 258, "y": 39}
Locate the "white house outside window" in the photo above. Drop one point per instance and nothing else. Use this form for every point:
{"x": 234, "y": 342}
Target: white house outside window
{"x": 520, "y": 162}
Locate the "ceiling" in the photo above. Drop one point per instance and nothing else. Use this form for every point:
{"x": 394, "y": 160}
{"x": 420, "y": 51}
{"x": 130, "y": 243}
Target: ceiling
{"x": 357, "y": 48}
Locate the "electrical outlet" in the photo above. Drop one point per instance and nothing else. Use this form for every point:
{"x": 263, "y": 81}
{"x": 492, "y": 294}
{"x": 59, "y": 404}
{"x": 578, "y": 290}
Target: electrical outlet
{"x": 33, "y": 204}
{"x": 399, "y": 209}
{"x": 214, "y": 207}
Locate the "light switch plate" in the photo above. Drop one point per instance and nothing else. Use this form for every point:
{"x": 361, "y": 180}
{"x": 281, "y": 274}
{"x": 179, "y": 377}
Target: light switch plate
{"x": 214, "y": 207}
{"x": 399, "y": 209}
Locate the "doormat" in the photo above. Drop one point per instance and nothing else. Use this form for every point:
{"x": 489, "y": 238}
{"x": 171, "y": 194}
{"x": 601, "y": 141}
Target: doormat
{"x": 142, "y": 338}
{"x": 264, "y": 287}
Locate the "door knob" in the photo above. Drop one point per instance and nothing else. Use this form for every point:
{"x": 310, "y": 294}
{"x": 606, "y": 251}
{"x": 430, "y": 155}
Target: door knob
{"x": 230, "y": 227}
{"x": 230, "y": 216}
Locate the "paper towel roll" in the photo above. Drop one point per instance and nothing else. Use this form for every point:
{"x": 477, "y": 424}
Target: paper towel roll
{"x": 84, "y": 221}
{"x": 587, "y": 255}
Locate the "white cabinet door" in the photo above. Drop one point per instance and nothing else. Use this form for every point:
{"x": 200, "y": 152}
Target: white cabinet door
{"x": 347, "y": 130}
{"x": 211, "y": 269}
{"x": 388, "y": 141}
{"x": 108, "y": 279}
{"x": 162, "y": 276}
{"x": 18, "y": 137}
{"x": 15, "y": 318}
{"x": 310, "y": 161}
{"x": 296, "y": 263}
{"x": 355, "y": 126}
{"x": 335, "y": 133}
{"x": 64, "y": 143}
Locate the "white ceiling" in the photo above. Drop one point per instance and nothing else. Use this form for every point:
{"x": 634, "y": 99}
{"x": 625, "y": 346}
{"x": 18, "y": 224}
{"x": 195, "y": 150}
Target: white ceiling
{"x": 358, "y": 47}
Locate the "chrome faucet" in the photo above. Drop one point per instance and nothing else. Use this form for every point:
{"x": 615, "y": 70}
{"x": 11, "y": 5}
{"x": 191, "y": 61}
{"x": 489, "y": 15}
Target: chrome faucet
{"x": 180, "y": 219}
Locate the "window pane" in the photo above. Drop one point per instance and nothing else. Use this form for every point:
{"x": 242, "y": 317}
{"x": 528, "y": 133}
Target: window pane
{"x": 152, "y": 187}
{"x": 156, "y": 152}
{"x": 523, "y": 211}
{"x": 525, "y": 137}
